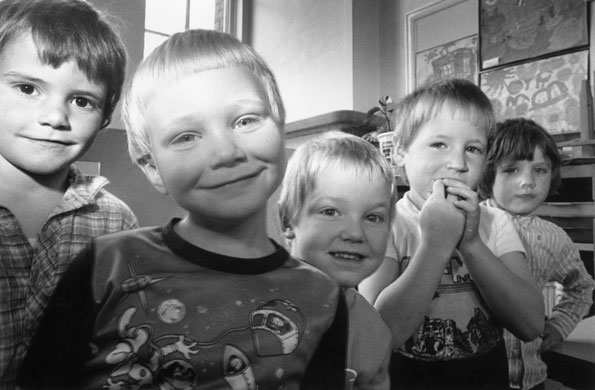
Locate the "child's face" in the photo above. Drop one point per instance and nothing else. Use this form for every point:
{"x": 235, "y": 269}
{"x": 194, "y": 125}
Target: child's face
{"x": 343, "y": 226}
{"x": 50, "y": 116}
{"x": 521, "y": 186}
{"x": 218, "y": 152}
{"x": 444, "y": 147}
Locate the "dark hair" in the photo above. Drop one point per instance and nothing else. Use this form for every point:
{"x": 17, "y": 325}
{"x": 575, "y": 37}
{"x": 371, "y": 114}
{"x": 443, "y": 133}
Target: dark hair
{"x": 516, "y": 140}
{"x": 65, "y": 30}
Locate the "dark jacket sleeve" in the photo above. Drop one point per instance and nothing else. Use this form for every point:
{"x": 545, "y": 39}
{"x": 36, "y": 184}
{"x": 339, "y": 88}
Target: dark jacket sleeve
{"x": 326, "y": 370}
{"x": 60, "y": 347}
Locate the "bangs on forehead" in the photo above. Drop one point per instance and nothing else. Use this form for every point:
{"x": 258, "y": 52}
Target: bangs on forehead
{"x": 95, "y": 56}
{"x": 462, "y": 111}
{"x": 351, "y": 161}
{"x": 55, "y": 54}
{"x": 523, "y": 148}
{"x": 183, "y": 60}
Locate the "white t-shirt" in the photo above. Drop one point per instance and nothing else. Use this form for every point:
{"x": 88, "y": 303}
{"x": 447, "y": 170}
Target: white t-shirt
{"x": 457, "y": 323}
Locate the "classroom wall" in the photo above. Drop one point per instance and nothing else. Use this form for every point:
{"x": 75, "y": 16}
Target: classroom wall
{"x": 465, "y": 21}
{"x": 325, "y": 54}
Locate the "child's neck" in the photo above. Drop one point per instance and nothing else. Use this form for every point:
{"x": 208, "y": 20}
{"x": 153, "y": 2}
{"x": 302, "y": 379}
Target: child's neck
{"x": 246, "y": 239}
{"x": 31, "y": 198}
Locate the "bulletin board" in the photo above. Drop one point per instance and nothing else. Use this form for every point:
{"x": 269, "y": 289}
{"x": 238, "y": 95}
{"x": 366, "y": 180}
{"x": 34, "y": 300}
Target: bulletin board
{"x": 547, "y": 91}
{"x": 520, "y": 30}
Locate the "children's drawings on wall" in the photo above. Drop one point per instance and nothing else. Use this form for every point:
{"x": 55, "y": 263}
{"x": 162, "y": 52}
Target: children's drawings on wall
{"x": 457, "y": 59}
{"x": 547, "y": 91}
{"x": 517, "y": 30}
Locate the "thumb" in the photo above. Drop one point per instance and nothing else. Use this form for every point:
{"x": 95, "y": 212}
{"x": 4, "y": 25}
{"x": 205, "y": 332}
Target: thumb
{"x": 438, "y": 189}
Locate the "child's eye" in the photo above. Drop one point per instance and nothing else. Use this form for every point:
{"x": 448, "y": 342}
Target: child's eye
{"x": 83, "y": 102}
{"x": 438, "y": 145}
{"x": 475, "y": 150}
{"x": 186, "y": 138}
{"x": 329, "y": 212}
{"x": 375, "y": 218}
{"x": 541, "y": 170}
{"x": 509, "y": 170}
{"x": 26, "y": 89}
{"x": 246, "y": 123}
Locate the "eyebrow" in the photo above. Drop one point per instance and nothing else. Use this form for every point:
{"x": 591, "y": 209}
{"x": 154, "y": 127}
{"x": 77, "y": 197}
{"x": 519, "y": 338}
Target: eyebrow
{"x": 235, "y": 105}
{"x": 258, "y": 102}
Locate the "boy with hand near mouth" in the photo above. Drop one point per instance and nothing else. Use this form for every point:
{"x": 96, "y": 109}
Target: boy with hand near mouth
{"x": 454, "y": 273}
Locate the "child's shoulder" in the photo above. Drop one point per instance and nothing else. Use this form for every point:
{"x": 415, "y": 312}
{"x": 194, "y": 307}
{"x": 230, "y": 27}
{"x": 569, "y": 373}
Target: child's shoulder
{"x": 362, "y": 312}
{"x": 124, "y": 238}
{"x": 303, "y": 267}
{"x": 550, "y": 229}
{"x": 490, "y": 215}
{"x": 91, "y": 190}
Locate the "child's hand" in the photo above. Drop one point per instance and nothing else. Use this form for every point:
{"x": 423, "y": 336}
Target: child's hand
{"x": 441, "y": 222}
{"x": 468, "y": 202}
{"x": 551, "y": 338}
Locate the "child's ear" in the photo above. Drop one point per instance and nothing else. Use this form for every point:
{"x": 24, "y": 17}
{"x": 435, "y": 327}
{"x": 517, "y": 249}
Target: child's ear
{"x": 152, "y": 173}
{"x": 288, "y": 233}
{"x": 398, "y": 156}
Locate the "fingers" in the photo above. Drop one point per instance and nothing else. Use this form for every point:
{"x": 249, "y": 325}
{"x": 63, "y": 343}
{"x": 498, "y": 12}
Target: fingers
{"x": 452, "y": 198}
{"x": 438, "y": 189}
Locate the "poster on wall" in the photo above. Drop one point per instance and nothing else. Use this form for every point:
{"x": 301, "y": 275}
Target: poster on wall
{"x": 457, "y": 59}
{"x": 517, "y": 30}
{"x": 547, "y": 91}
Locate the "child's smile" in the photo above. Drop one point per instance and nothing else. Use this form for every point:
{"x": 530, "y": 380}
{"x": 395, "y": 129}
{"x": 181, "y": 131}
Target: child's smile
{"x": 217, "y": 149}
{"x": 343, "y": 225}
{"x": 55, "y": 113}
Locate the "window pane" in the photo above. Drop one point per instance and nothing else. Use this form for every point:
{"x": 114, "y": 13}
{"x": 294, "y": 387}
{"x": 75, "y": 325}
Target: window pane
{"x": 152, "y": 41}
{"x": 202, "y": 14}
{"x": 165, "y": 16}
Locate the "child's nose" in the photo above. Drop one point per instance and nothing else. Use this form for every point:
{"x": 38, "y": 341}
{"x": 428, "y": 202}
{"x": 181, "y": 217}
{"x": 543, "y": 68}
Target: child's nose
{"x": 352, "y": 231}
{"x": 226, "y": 149}
{"x": 54, "y": 113}
{"x": 457, "y": 161}
{"x": 527, "y": 180}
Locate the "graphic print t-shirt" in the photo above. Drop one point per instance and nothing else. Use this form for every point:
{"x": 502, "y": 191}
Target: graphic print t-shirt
{"x": 457, "y": 324}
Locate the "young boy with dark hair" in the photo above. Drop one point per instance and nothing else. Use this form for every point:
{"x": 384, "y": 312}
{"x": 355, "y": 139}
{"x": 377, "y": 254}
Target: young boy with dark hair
{"x": 61, "y": 72}
{"x": 208, "y": 300}
{"x": 522, "y": 170}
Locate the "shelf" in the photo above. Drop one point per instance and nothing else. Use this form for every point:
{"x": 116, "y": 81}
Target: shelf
{"x": 570, "y": 209}
{"x": 344, "y": 120}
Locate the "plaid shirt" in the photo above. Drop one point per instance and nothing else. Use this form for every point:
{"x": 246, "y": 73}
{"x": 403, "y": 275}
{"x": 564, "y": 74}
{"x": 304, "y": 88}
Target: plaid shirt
{"x": 552, "y": 257}
{"x": 28, "y": 274}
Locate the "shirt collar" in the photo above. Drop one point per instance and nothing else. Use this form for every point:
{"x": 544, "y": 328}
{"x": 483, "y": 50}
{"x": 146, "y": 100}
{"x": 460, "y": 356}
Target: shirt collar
{"x": 81, "y": 191}
{"x": 521, "y": 220}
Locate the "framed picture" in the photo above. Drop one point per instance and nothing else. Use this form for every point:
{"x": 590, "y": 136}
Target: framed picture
{"x": 517, "y": 30}
{"x": 457, "y": 59}
{"x": 547, "y": 91}
{"x": 431, "y": 26}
